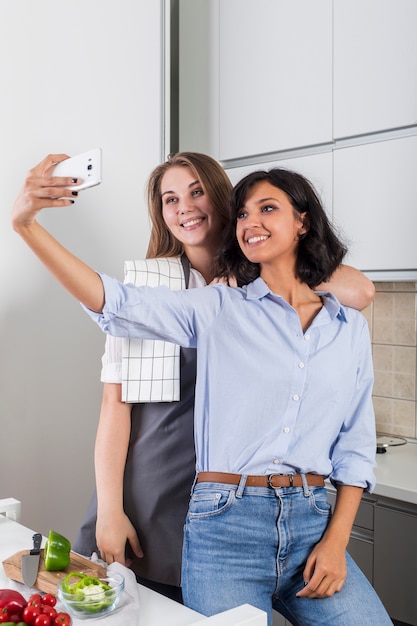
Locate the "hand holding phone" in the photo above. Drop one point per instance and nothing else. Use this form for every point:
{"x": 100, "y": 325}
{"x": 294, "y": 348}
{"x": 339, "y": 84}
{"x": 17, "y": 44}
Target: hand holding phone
{"x": 85, "y": 167}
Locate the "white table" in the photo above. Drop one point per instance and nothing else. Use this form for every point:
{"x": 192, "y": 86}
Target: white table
{"x": 155, "y": 609}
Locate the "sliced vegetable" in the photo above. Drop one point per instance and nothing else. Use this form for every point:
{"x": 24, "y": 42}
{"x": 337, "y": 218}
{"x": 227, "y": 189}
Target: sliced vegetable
{"x": 92, "y": 594}
{"x": 57, "y": 552}
{"x": 67, "y": 586}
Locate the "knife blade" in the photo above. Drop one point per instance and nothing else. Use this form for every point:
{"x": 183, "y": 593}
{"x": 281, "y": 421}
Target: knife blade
{"x": 30, "y": 562}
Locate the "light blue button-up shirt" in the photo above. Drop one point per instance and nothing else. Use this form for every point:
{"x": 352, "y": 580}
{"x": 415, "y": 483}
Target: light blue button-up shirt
{"x": 270, "y": 398}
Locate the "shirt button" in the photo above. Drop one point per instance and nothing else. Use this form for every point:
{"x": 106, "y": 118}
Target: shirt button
{"x": 307, "y": 337}
{"x": 286, "y": 429}
{"x": 277, "y": 461}
{"x": 295, "y": 397}
{"x": 301, "y": 365}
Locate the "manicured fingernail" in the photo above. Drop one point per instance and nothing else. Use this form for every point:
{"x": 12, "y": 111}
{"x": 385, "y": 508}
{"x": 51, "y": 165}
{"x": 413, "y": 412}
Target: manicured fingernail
{"x": 74, "y": 180}
{"x": 74, "y": 193}
{"x": 72, "y": 201}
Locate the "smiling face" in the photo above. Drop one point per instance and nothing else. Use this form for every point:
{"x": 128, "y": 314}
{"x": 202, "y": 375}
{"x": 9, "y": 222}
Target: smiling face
{"x": 268, "y": 227}
{"x": 187, "y": 211}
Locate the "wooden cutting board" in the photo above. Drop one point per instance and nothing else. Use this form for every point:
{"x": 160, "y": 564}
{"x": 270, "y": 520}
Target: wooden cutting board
{"x": 47, "y": 581}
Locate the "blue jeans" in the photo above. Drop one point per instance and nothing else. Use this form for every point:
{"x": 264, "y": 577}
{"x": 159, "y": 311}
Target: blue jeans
{"x": 250, "y": 544}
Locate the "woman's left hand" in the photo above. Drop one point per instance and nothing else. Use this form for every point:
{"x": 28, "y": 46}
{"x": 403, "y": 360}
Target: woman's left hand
{"x": 41, "y": 189}
{"x": 325, "y": 571}
{"x": 229, "y": 281}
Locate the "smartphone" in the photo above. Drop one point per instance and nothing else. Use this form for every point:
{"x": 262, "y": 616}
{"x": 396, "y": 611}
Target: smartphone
{"x": 86, "y": 167}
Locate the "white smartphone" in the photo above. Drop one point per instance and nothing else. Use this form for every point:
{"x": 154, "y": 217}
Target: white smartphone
{"x": 86, "y": 167}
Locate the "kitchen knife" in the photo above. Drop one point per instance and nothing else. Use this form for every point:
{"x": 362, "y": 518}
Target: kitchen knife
{"x": 30, "y": 562}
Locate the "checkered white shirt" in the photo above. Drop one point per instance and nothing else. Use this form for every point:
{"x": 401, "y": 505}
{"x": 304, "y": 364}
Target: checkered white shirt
{"x": 151, "y": 369}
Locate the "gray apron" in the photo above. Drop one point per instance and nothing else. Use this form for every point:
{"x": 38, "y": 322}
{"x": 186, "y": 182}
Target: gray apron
{"x": 159, "y": 473}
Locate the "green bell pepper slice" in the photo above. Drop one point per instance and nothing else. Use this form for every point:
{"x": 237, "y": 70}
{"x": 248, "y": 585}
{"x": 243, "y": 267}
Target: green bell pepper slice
{"x": 68, "y": 587}
{"x": 92, "y": 594}
{"x": 56, "y": 552}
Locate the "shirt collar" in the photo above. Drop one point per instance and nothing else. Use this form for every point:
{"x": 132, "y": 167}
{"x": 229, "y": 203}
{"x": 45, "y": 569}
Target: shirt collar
{"x": 332, "y": 304}
{"x": 259, "y": 289}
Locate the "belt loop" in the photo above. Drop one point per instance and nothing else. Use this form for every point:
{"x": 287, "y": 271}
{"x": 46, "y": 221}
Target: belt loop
{"x": 305, "y": 485}
{"x": 194, "y": 484}
{"x": 241, "y": 486}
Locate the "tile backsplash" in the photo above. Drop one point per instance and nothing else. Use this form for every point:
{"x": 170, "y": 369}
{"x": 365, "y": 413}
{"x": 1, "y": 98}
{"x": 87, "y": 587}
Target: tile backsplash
{"x": 392, "y": 319}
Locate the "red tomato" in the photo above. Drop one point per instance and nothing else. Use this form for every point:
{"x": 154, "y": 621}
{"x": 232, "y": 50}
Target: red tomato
{"x": 62, "y": 619}
{"x": 35, "y": 599}
{"x": 42, "y": 620}
{"x": 49, "y": 599}
{"x": 49, "y": 610}
{"x": 30, "y": 613}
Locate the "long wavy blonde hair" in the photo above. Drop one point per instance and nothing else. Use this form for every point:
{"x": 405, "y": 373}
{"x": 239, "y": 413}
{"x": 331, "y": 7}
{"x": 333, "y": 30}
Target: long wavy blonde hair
{"x": 216, "y": 186}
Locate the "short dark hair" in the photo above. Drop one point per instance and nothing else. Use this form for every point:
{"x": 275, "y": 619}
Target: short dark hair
{"x": 320, "y": 251}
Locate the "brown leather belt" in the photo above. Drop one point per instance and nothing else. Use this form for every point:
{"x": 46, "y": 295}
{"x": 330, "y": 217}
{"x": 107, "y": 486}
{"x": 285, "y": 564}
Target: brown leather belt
{"x": 273, "y": 481}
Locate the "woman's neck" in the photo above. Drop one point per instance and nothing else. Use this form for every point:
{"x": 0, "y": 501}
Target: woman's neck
{"x": 283, "y": 281}
{"x": 201, "y": 259}
{"x": 297, "y": 293}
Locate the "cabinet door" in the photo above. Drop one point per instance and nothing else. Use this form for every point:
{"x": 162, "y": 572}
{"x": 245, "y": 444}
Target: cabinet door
{"x": 198, "y": 76}
{"x": 375, "y": 65}
{"x": 361, "y": 549}
{"x": 395, "y": 561}
{"x": 257, "y": 78}
{"x": 318, "y": 168}
{"x": 275, "y": 75}
{"x": 374, "y": 195}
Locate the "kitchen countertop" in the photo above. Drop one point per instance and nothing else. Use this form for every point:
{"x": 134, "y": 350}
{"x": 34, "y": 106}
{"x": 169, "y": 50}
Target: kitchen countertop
{"x": 153, "y": 609}
{"x": 396, "y": 473}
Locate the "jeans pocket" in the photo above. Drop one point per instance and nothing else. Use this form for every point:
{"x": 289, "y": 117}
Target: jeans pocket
{"x": 210, "y": 502}
{"x": 319, "y": 501}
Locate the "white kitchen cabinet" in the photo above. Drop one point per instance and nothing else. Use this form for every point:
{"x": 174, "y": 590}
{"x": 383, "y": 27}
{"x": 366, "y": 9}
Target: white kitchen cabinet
{"x": 273, "y": 80}
{"x": 263, "y": 77}
{"x": 375, "y": 202}
{"x": 318, "y": 168}
{"x": 375, "y": 66}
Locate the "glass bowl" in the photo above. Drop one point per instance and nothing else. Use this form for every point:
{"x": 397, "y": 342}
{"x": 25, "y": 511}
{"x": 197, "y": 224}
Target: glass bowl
{"x": 87, "y": 599}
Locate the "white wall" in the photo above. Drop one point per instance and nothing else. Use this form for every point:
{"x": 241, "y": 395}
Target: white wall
{"x": 74, "y": 75}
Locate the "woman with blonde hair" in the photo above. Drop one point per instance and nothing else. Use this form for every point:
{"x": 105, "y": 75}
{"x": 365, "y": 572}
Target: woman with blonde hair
{"x": 144, "y": 455}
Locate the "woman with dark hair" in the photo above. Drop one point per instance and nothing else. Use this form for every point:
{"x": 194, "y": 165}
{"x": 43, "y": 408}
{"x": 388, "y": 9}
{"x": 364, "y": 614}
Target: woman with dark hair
{"x": 320, "y": 252}
{"x": 283, "y": 401}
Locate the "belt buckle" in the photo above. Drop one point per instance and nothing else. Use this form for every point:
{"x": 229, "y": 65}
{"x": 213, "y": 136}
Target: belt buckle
{"x": 270, "y": 477}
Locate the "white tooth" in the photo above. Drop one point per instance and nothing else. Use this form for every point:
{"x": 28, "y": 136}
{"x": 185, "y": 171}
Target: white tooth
{"x": 256, "y": 239}
{"x": 192, "y": 222}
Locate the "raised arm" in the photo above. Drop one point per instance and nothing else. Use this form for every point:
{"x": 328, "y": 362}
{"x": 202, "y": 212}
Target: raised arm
{"x": 42, "y": 190}
{"x": 351, "y": 287}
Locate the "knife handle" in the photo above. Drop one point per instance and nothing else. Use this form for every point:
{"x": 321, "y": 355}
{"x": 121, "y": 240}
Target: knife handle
{"x": 37, "y": 540}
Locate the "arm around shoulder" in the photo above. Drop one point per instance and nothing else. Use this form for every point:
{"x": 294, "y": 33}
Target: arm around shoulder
{"x": 351, "y": 287}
